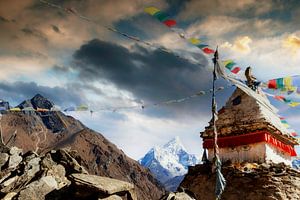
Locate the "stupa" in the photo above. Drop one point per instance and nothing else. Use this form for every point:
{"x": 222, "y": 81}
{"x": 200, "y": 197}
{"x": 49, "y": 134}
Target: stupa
{"x": 250, "y": 130}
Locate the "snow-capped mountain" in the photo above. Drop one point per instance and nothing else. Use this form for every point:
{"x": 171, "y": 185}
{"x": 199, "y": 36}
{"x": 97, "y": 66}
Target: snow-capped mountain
{"x": 169, "y": 161}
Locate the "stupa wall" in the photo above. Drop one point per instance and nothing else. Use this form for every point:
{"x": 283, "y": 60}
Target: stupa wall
{"x": 258, "y": 152}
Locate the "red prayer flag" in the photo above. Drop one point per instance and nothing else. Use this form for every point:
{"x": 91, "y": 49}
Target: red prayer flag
{"x": 170, "y": 22}
{"x": 236, "y": 70}
{"x": 208, "y": 50}
{"x": 294, "y": 134}
{"x": 280, "y": 98}
{"x": 272, "y": 84}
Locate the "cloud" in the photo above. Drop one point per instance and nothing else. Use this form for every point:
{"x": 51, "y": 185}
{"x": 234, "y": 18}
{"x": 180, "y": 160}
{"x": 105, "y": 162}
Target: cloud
{"x": 216, "y": 26}
{"x": 241, "y": 45}
{"x": 15, "y": 92}
{"x": 292, "y": 42}
{"x": 142, "y": 132}
{"x": 196, "y": 8}
{"x": 150, "y": 74}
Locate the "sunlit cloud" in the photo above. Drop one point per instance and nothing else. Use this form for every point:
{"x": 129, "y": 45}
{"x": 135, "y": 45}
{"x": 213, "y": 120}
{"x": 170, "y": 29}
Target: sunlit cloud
{"x": 292, "y": 42}
{"x": 241, "y": 45}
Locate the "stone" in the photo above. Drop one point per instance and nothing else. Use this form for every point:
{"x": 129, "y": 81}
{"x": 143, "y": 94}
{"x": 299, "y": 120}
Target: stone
{"x": 71, "y": 165}
{"x": 113, "y": 197}
{"x": 15, "y": 151}
{"x": 33, "y": 167}
{"x": 10, "y": 181}
{"x": 103, "y": 184}
{"x": 3, "y": 159}
{"x": 14, "y": 161}
{"x": 177, "y": 196}
{"x": 258, "y": 184}
{"x": 9, "y": 196}
{"x": 38, "y": 189}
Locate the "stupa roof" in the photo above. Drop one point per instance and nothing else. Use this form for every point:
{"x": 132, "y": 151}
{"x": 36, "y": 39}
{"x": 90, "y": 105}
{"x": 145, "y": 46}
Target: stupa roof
{"x": 244, "y": 114}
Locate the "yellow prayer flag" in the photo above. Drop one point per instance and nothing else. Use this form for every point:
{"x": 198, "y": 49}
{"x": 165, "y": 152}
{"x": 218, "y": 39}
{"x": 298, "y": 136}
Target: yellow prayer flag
{"x": 15, "y": 109}
{"x": 294, "y": 104}
{"x": 288, "y": 83}
{"x": 151, "y": 10}
{"x": 194, "y": 41}
{"x": 226, "y": 62}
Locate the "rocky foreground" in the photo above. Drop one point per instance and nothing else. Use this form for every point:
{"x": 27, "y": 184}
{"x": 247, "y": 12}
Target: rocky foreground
{"x": 56, "y": 175}
{"x": 45, "y": 131}
{"x": 246, "y": 181}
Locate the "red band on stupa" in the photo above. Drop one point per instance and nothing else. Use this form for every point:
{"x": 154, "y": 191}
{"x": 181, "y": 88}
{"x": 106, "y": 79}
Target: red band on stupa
{"x": 251, "y": 138}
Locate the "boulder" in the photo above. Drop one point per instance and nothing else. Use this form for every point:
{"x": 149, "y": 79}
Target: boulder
{"x": 103, "y": 185}
{"x": 177, "y": 196}
{"x": 15, "y": 157}
{"x": 37, "y": 190}
{"x": 3, "y": 159}
{"x": 113, "y": 197}
{"x": 56, "y": 175}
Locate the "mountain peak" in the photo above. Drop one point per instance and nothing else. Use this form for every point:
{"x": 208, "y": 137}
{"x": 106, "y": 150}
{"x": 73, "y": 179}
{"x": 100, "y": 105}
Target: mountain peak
{"x": 169, "y": 160}
{"x": 38, "y": 101}
{"x": 175, "y": 145}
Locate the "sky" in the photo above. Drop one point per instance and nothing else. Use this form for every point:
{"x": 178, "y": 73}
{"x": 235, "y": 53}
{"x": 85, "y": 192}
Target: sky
{"x": 72, "y": 61}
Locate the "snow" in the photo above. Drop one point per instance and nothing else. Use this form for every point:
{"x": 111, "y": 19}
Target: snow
{"x": 168, "y": 161}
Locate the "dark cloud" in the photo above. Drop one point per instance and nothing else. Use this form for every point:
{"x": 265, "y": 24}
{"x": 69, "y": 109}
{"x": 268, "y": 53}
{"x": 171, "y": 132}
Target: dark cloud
{"x": 16, "y": 92}
{"x": 60, "y": 69}
{"x": 151, "y": 76}
{"x": 147, "y": 74}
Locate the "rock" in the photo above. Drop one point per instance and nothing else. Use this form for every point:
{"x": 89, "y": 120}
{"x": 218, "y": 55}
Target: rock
{"x": 15, "y": 158}
{"x": 103, "y": 185}
{"x": 71, "y": 165}
{"x": 14, "y": 161}
{"x": 10, "y": 196}
{"x": 3, "y": 159}
{"x": 10, "y": 181}
{"x": 262, "y": 182}
{"x": 34, "y": 177}
{"x": 177, "y": 196}
{"x": 38, "y": 189}
{"x": 33, "y": 167}
{"x": 113, "y": 197}
{"x": 15, "y": 151}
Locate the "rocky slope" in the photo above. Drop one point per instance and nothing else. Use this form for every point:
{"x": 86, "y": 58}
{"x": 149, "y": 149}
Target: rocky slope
{"x": 169, "y": 163}
{"x": 55, "y": 175}
{"x": 245, "y": 181}
{"x": 43, "y": 131}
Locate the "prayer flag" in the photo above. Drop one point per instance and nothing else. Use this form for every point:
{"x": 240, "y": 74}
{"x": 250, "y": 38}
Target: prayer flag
{"x": 170, "y": 22}
{"x": 151, "y": 10}
{"x": 236, "y": 70}
{"x": 194, "y": 41}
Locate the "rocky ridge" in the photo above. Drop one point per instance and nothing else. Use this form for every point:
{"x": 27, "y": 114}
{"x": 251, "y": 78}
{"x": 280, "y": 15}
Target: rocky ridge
{"x": 248, "y": 181}
{"x": 55, "y": 175}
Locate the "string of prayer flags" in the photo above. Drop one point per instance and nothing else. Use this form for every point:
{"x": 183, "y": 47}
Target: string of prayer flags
{"x": 161, "y": 16}
{"x": 164, "y": 18}
{"x": 289, "y": 84}
{"x": 136, "y": 39}
{"x": 284, "y": 99}
{"x": 231, "y": 66}
{"x": 204, "y": 47}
